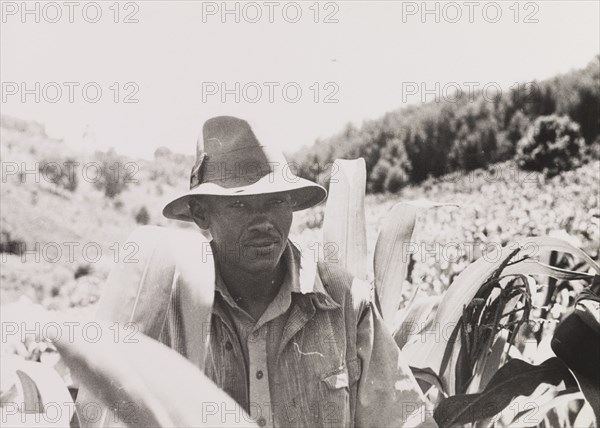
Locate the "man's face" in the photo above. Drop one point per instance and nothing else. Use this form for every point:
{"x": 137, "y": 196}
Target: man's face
{"x": 249, "y": 231}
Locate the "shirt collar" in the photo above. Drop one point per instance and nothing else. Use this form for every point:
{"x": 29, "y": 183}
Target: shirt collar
{"x": 302, "y": 278}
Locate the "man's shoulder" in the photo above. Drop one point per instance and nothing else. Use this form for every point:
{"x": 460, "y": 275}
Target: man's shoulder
{"x": 343, "y": 287}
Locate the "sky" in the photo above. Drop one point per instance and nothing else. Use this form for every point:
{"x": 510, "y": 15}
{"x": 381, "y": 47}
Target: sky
{"x": 297, "y": 71}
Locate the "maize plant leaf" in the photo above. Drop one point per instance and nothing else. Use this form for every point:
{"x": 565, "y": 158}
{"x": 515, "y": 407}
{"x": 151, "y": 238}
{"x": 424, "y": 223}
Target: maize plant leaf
{"x": 9, "y": 394}
{"x": 344, "y": 226}
{"x": 416, "y": 318}
{"x": 192, "y": 294}
{"x": 427, "y": 378}
{"x": 585, "y": 417}
{"x": 139, "y": 289}
{"x": 463, "y": 372}
{"x": 32, "y": 402}
{"x": 577, "y": 344}
{"x": 511, "y": 380}
{"x": 393, "y": 253}
{"x": 171, "y": 274}
{"x": 535, "y": 415}
{"x": 482, "y": 326}
{"x": 466, "y": 285}
{"x": 547, "y": 243}
{"x": 129, "y": 377}
{"x": 508, "y": 415}
{"x": 41, "y": 396}
{"x": 455, "y": 368}
{"x": 535, "y": 267}
{"x": 488, "y": 365}
{"x": 177, "y": 280}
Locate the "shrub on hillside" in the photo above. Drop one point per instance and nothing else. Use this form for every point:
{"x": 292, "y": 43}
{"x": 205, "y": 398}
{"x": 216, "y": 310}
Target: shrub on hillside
{"x": 61, "y": 174}
{"x": 142, "y": 216}
{"x": 82, "y": 270}
{"x": 552, "y": 144}
{"x": 115, "y": 174}
{"x": 10, "y": 244}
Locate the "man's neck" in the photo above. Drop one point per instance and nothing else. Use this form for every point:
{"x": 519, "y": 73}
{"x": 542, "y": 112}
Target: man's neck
{"x": 252, "y": 291}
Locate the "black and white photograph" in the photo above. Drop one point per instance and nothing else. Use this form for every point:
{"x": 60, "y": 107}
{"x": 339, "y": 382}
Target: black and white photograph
{"x": 300, "y": 213}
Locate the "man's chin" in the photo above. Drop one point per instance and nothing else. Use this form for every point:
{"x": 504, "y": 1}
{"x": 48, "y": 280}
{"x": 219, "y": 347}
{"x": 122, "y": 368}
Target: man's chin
{"x": 261, "y": 259}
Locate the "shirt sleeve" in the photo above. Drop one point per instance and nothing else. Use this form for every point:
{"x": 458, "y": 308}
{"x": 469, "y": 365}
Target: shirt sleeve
{"x": 388, "y": 394}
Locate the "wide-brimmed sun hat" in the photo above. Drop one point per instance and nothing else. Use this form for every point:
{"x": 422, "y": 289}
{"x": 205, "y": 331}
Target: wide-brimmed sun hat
{"x": 230, "y": 161}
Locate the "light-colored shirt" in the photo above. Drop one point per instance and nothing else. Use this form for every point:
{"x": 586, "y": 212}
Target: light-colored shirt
{"x": 318, "y": 356}
{"x": 255, "y": 335}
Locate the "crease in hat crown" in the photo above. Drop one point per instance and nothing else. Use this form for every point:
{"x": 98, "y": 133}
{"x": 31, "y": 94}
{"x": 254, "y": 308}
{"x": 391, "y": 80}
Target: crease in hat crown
{"x": 230, "y": 161}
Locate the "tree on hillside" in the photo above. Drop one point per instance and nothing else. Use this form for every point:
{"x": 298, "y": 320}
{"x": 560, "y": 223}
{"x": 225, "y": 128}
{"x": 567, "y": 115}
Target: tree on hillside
{"x": 393, "y": 169}
{"x": 470, "y": 132}
{"x": 517, "y": 127}
{"x": 587, "y": 112}
{"x": 552, "y": 144}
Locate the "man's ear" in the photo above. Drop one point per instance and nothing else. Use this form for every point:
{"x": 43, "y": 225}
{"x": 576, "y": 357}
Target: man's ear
{"x": 199, "y": 213}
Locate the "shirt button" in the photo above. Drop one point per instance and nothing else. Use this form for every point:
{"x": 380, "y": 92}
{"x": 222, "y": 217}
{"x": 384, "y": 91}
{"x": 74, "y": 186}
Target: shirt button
{"x": 261, "y": 422}
{"x": 228, "y": 346}
{"x": 255, "y": 334}
{"x": 259, "y": 374}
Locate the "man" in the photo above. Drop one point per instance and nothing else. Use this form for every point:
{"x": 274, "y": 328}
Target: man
{"x": 294, "y": 342}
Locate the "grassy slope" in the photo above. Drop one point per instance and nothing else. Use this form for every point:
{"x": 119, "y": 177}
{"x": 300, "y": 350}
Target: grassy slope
{"x": 46, "y": 217}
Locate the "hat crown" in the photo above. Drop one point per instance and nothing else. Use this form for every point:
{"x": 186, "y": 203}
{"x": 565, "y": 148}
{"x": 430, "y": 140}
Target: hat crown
{"x": 230, "y": 155}
{"x": 224, "y": 133}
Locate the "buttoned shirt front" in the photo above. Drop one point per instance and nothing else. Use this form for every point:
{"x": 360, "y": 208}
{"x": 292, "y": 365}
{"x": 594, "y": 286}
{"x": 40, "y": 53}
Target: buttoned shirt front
{"x": 254, "y": 337}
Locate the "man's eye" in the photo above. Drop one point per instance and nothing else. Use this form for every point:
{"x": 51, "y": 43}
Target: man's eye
{"x": 277, "y": 201}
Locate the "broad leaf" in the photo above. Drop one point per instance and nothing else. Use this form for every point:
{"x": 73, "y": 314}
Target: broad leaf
{"x": 129, "y": 376}
{"x": 576, "y": 342}
{"x": 488, "y": 365}
{"x": 416, "y": 318}
{"x": 535, "y": 415}
{"x": 427, "y": 378}
{"x": 513, "y": 379}
{"x": 41, "y": 395}
{"x": 534, "y": 267}
{"x": 393, "y": 253}
{"x": 344, "y": 225}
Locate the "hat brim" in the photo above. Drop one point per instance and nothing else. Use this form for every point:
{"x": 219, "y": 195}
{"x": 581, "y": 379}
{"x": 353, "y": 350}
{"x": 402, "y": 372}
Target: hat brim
{"x": 304, "y": 193}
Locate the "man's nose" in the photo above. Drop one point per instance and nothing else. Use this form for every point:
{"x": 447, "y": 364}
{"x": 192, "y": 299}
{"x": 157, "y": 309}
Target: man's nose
{"x": 261, "y": 226}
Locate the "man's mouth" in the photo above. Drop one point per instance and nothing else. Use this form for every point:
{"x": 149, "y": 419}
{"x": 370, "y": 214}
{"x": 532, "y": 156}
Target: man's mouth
{"x": 263, "y": 244}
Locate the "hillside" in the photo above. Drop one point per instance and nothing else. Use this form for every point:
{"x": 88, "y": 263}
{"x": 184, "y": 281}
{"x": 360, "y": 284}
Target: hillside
{"x": 51, "y": 234}
{"x": 459, "y": 132}
{"x": 493, "y": 211}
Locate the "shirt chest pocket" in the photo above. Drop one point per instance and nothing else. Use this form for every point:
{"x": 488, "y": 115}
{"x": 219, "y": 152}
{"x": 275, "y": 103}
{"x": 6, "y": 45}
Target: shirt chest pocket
{"x": 337, "y": 392}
